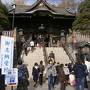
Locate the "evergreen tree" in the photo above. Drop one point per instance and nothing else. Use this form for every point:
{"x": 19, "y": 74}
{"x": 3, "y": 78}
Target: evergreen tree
{"x": 4, "y": 22}
{"x": 82, "y": 22}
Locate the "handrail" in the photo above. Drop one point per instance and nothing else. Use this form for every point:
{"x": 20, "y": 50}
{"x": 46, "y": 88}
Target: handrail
{"x": 69, "y": 54}
{"x": 66, "y": 50}
{"x": 45, "y": 54}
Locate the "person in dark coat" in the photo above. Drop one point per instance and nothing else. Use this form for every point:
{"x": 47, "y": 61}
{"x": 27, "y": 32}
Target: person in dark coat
{"x": 57, "y": 70}
{"x": 41, "y": 67}
{"x": 80, "y": 71}
{"x": 2, "y": 81}
{"x": 62, "y": 78}
{"x": 35, "y": 73}
{"x": 23, "y": 76}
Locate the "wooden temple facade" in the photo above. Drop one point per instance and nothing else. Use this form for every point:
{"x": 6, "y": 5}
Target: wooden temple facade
{"x": 43, "y": 18}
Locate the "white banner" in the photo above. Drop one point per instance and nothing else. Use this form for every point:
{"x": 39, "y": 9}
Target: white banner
{"x": 0, "y": 61}
{"x": 7, "y": 47}
{"x": 11, "y": 78}
{"x": 0, "y": 54}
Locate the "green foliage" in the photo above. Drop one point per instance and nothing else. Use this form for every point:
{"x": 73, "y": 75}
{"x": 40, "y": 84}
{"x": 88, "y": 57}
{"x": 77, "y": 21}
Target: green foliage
{"x": 4, "y": 22}
{"x": 82, "y": 21}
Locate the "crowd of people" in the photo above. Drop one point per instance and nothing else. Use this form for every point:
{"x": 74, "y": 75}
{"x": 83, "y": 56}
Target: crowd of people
{"x": 74, "y": 74}
{"x": 35, "y": 41}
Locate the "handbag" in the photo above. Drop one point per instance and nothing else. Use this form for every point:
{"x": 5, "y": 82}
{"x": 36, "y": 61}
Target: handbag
{"x": 72, "y": 80}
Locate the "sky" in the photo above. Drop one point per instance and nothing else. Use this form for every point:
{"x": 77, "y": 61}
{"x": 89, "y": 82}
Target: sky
{"x": 7, "y": 1}
{"x": 56, "y": 2}
{"x": 12, "y": 1}
{"x": 32, "y": 1}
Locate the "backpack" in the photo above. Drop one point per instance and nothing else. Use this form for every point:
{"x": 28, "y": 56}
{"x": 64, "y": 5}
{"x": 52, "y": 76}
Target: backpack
{"x": 22, "y": 72}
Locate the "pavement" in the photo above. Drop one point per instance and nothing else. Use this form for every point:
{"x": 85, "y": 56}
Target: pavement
{"x": 45, "y": 87}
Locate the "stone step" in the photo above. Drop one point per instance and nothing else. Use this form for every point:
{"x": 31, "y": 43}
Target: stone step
{"x": 37, "y": 56}
{"x": 60, "y": 54}
{"x": 32, "y": 57}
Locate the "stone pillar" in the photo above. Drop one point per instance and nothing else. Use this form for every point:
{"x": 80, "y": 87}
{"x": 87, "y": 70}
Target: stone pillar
{"x": 50, "y": 44}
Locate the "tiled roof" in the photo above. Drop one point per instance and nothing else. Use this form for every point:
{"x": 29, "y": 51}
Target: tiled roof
{"x": 20, "y": 9}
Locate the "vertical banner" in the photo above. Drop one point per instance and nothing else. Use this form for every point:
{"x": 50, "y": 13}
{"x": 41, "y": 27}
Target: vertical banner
{"x": 12, "y": 77}
{"x": 0, "y": 55}
{"x": 7, "y": 48}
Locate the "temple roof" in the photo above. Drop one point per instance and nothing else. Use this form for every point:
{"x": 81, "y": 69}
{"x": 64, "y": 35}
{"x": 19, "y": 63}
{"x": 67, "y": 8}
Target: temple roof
{"x": 83, "y": 44}
{"x": 42, "y": 5}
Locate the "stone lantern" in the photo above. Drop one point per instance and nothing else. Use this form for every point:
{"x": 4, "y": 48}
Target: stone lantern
{"x": 84, "y": 51}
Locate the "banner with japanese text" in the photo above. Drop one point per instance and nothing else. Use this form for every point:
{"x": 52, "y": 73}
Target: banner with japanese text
{"x": 11, "y": 78}
{"x": 0, "y": 54}
{"x": 7, "y": 48}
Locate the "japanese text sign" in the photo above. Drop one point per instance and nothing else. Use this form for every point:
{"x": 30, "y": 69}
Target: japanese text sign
{"x": 11, "y": 78}
{"x": 7, "y": 47}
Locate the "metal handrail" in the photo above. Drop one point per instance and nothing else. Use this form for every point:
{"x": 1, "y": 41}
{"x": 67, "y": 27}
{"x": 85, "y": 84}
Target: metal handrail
{"x": 69, "y": 54}
{"x": 45, "y": 54}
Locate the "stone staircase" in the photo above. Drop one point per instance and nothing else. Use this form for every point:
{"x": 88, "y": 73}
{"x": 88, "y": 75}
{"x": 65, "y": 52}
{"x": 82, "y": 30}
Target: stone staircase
{"x": 71, "y": 53}
{"x": 60, "y": 54}
{"x": 32, "y": 57}
{"x": 37, "y": 55}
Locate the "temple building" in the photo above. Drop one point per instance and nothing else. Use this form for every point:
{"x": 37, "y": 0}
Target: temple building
{"x": 49, "y": 18}
{"x": 44, "y": 17}
{"x": 45, "y": 22}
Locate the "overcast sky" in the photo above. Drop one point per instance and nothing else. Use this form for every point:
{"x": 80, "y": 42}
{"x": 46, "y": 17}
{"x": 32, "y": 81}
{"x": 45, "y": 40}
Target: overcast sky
{"x": 12, "y": 1}
{"x": 32, "y": 1}
{"x": 7, "y": 1}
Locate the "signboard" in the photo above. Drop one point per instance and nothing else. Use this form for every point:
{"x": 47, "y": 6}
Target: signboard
{"x": 7, "y": 47}
{"x": 11, "y": 78}
{"x": 0, "y": 54}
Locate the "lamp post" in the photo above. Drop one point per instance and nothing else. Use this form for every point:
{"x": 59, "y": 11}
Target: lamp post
{"x": 62, "y": 37}
{"x": 13, "y": 8}
{"x": 41, "y": 29}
